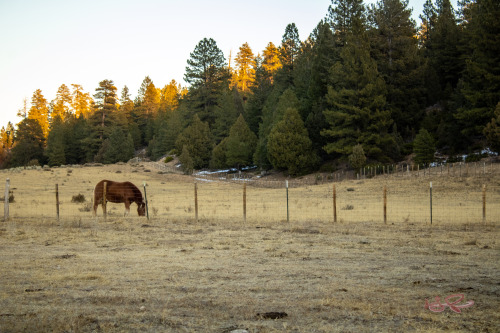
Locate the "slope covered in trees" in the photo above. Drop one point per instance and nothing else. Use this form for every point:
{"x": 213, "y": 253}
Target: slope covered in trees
{"x": 367, "y": 79}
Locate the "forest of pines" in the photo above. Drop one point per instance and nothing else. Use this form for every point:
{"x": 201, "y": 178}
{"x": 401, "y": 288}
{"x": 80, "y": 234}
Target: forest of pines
{"x": 367, "y": 80}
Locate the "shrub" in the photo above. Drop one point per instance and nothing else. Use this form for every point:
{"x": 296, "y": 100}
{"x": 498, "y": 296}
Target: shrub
{"x": 33, "y": 162}
{"x": 79, "y": 198}
{"x": 169, "y": 159}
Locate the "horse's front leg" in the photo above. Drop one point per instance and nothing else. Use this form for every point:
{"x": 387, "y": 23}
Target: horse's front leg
{"x": 127, "y": 208}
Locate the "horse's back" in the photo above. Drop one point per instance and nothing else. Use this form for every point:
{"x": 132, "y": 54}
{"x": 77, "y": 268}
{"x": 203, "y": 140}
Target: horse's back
{"x": 116, "y": 191}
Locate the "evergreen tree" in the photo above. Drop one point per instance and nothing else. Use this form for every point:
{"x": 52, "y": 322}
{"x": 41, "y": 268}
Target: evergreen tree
{"x": 240, "y": 144}
{"x": 492, "y": 131}
{"x": 357, "y": 159}
{"x": 244, "y": 75}
{"x": 169, "y": 96}
{"x": 6, "y": 141}
{"x": 39, "y": 111}
{"x": 76, "y": 132}
{"x": 219, "y": 153}
{"x": 56, "y": 145}
{"x": 260, "y": 91}
{"x": 102, "y": 119}
{"x": 358, "y": 113}
{"x": 311, "y": 81}
{"x": 197, "y": 139}
{"x": 344, "y": 15}
{"x": 428, "y": 17}
{"x": 29, "y": 142}
{"x": 289, "y": 52}
{"x": 206, "y": 73}
{"x": 424, "y": 147}
{"x": 187, "y": 163}
{"x": 273, "y": 111}
{"x": 479, "y": 88}
{"x": 62, "y": 103}
{"x": 80, "y": 102}
{"x": 289, "y": 146}
{"x": 395, "y": 50}
{"x": 119, "y": 147}
{"x": 442, "y": 49}
{"x": 229, "y": 107}
{"x": 290, "y": 46}
{"x": 271, "y": 61}
{"x": 126, "y": 106}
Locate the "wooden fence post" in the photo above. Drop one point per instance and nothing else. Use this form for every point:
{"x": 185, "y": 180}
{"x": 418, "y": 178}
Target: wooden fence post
{"x": 334, "y": 204}
{"x": 196, "y": 201}
{"x": 244, "y": 201}
{"x": 484, "y": 203}
{"x": 430, "y": 192}
{"x": 6, "y": 200}
{"x": 104, "y": 200}
{"x": 385, "y": 204}
{"x": 57, "y": 201}
{"x": 287, "y": 208}
{"x": 146, "y": 200}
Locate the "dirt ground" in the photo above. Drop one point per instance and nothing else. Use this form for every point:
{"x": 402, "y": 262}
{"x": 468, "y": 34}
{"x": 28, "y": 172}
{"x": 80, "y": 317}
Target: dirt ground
{"x": 125, "y": 275}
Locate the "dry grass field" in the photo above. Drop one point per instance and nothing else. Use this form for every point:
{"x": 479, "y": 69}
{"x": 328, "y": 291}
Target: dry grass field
{"x": 174, "y": 274}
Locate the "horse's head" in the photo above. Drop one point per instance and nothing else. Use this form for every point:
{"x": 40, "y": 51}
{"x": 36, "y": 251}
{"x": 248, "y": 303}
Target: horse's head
{"x": 141, "y": 209}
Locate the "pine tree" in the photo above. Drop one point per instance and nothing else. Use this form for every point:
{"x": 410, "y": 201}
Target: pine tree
{"x": 289, "y": 146}
{"x": 357, "y": 112}
{"x": 240, "y": 144}
{"x": 357, "y": 159}
{"x": 479, "y": 88}
{"x": 290, "y": 46}
{"x": 102, "y": 119}
{"x": 344, "y": 15}
{"x": 395, "y": 50}
{"x": 29, "y": 142}
{"x": 219, "y": 153}
{"x": 126, "y": 107}
{"x": 428, "y": 18}
{"x": 492, "y": 131}
{"x": 187, "y": 162}
{"x": 56, "y": 145}
{"x": 39, "y": 111}
{"x": 81, "y": 101}
{"x": 443, "y": 50}
{"x": 271, "y": 60}
{"x": 197, "y": 139}
{"x": 62, "y": 103}
{"x": 206, "y": 73}
{"x": 76, "y": 133}
{"x": 244, "y": 75}
{"x": 424, "y": 147}
{"x": 229, "y": 107}
{"x": 169, "y": 96}
{"x": 273, "y": 111}
{"x": 119, "y": 147}
{"x": 260, "y": 91}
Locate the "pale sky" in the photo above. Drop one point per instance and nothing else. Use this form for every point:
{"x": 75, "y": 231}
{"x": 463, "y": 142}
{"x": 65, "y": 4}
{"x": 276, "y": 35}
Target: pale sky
{"x": 47, "y": 43}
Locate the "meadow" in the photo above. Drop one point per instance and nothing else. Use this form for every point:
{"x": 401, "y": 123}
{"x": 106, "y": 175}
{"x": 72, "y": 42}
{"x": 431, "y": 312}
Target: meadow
{"x": 173, "y": 273}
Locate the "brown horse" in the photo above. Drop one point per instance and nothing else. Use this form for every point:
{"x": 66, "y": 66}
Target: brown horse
{"x": 116, "y": 192}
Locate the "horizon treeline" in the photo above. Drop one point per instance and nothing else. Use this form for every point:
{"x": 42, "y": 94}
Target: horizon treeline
{"x": 365, "y": 85}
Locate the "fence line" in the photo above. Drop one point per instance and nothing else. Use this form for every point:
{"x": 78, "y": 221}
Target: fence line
{"x": 345, "y": 202}
{"x": 452, "y": 170}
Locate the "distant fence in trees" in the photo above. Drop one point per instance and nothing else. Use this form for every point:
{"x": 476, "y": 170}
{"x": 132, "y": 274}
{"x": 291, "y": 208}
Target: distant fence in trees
{"x": 459, "y": 194}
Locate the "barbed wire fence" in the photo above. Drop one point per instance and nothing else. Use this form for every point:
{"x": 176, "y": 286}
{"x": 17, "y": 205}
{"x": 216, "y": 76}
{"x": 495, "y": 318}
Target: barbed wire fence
{"x": 398, "y": 198}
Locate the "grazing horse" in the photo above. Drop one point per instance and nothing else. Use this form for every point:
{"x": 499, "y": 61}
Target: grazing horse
{"x": 125, "y": 192}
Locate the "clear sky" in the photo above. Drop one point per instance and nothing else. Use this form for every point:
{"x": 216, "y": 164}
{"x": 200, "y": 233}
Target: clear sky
{"x": 47, "y": 43}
